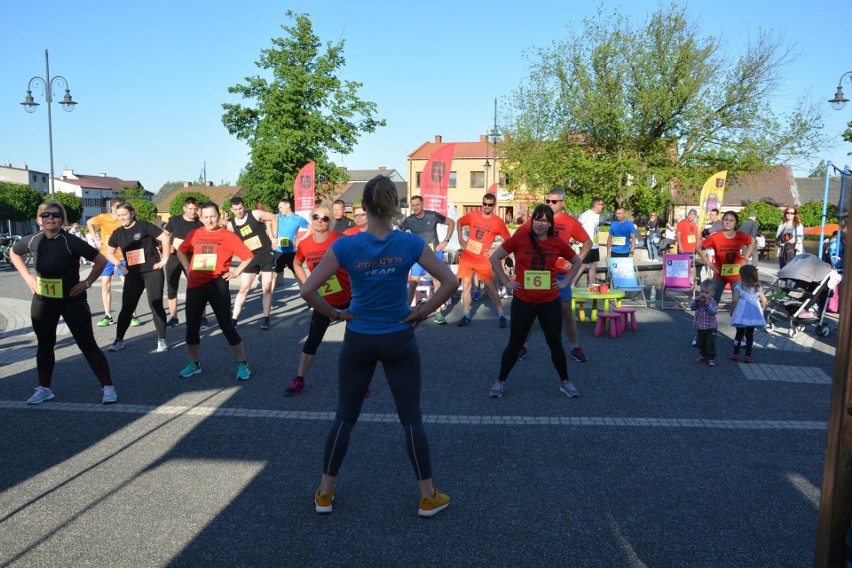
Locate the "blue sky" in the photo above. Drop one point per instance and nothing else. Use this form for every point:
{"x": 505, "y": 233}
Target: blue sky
{"x": 150, "y": 77}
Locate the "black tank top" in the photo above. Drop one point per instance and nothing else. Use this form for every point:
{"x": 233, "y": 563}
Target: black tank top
{"x": 253, "y": 234}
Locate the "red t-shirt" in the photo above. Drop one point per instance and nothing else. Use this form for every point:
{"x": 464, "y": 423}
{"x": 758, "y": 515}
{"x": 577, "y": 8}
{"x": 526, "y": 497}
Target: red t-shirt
{"x": 536, "y": 270}
{"x": 483, "y": 231}
{"x": 566, "y": 228}
{"x": 212, "y": 253}
{"x": 336, "y": 290}
{"x": 352, "y": 231}
{"x": 688, "y": 231}
{"x": 729, "y": 253}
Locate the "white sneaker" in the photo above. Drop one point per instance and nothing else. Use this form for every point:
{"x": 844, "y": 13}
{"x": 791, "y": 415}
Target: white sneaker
{"x": 162, "y": 346}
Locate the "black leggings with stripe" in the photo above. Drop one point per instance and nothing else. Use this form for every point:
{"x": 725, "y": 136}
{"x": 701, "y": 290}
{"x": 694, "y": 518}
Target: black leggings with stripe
{"x": 400, "y": 358}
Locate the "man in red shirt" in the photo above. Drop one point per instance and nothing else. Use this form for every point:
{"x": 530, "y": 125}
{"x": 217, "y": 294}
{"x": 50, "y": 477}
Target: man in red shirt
{"x": 686, "y": 233}
{"x": 485, "y": 227}
{"x": 568, "y": 229}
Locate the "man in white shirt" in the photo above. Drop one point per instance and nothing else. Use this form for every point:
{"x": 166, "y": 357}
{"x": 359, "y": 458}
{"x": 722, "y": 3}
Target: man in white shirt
{"x": 590, "y": 219}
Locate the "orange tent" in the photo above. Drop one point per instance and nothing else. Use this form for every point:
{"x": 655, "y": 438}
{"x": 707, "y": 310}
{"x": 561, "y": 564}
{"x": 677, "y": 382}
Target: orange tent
{"x": 830, "y": 228}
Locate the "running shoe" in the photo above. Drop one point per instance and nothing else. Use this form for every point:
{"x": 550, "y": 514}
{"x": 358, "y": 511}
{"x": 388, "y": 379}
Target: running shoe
{"x": 702, "y": 359}
{"x": 173, "y": 322}
{"x": 568, "y": 389}
{"x": 204, "y": 322}
{"x": 711, "y": 363}
{"x": 743, "y": 342}
{"x": 735, "y": 357}
{"x": 474, "y": 296}
{"x": 105, "y": 321}
{"x": 134, "y": 322}
{"x": 579, "y": 355}
{"x": 264, "y": 323}
{"x": 162, "y": 346}
{"x": 323, "y": 501}
{"x": 117, "y": 345}
{"x": 109, "y": 395}
{"x": 694, "y": 340}
{"x": 522, "y": 353}
{"x": 497, "y": 389}
{"x": 748, "y": 359}
{"x": 297, "y": 385}
{"x": 234, "y": 323}
{"x": 440, "y": 319}
{"x": 40, "y": 395}
{"x": 504, "y": 323}
{"x": 191, "y": 368}
{"x": 429, "y": 507}
{"x": 243, "y": 372}
{"x": 464, "y": 322}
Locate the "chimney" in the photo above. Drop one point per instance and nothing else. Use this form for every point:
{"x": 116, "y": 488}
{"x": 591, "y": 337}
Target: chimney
{"x": 187, "y": 184}
{"x": 102, "y": 174}
{"x": 209, "y": 184}
{"x": 382, "y": 168}
{"x": 24, "y": 167}
{"x": 437, "y": 139}
{"x": 483, "y": 138}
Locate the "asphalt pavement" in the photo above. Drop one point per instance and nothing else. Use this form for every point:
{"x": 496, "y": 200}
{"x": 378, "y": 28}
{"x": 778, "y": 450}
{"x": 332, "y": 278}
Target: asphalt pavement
{"x": 661, "y": 461}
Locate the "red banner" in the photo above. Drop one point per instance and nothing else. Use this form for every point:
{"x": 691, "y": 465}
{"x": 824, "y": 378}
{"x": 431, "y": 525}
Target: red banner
{"x": 436, "y": 178}
{"x": 304, "y": 190}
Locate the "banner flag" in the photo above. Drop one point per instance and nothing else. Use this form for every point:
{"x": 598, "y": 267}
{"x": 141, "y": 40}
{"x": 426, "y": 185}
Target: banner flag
{"x": 304, "y": 189}
{"x": 436, "y": 178}
{"x": 711, "y": 196}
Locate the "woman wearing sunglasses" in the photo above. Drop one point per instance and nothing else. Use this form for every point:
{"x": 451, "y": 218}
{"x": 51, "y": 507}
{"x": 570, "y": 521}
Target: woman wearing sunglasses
{"x": 59, "y": 293}
{"x": 379, "y": 328}
{"x": 790, "y": 236}
{"x": 335, "y": 290}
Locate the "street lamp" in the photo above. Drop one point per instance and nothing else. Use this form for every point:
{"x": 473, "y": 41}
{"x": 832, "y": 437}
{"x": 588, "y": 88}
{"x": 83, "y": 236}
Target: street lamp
{"x": 493, "y": 136}
{"x": 67, "y": 104}
{"x": 839, "y": 101}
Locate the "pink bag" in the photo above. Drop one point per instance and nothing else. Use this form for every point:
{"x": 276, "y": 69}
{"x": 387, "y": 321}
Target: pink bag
{"x": 834, "y": 301}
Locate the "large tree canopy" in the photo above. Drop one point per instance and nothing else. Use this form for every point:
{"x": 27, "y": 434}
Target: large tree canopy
{"x": 302, "y": 114}
{"x": 18, "y": 202}
{"x": 629, "y": 112}
{"x": 73, "y": 205}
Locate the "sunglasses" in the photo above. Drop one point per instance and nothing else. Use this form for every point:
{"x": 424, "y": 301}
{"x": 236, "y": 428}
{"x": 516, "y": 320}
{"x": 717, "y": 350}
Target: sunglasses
{"x": 323, "y": 218}
{"x": 790, "y": 212}
{"x": 552, "y": 201}
{"x": 359, "y": 215}
{"x": 54, "y": 214}
{"x": 487, "y": 204}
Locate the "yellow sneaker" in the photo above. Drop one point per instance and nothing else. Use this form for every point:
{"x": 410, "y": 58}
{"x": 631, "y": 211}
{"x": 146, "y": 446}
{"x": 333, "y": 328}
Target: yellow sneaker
{"x": 433, "y": 506}
{"x": 323, "y": 501}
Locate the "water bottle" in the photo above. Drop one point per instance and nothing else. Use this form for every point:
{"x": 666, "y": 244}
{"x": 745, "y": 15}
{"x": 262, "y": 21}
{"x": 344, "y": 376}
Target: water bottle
{"x": 653, "y": 299}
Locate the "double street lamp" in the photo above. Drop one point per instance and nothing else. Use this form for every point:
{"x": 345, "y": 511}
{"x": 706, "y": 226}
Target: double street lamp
{"x": 30, "y": 105}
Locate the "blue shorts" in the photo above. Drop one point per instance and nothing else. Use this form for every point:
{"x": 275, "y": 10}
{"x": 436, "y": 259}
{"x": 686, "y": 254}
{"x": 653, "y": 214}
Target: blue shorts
{"x": 417, "y": 270}
{"x": 564, "y": 293}
{"x": 109, "y": 269}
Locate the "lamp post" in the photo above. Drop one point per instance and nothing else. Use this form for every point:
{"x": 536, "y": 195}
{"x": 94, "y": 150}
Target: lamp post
{"x": 493, "y": 137}
{"x": 67, "y": 104}
{"x": 839, "y": 101}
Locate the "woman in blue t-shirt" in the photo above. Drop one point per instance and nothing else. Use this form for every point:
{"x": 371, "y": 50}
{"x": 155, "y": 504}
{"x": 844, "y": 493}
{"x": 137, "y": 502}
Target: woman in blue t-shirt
{"x": 379, "y": 328}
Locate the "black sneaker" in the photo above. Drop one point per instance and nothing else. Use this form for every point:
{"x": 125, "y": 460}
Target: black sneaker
{"x": 173, "y": 322}
{"x": 204, "y": 322}
{"x": 579, "y": 355}
{"x": 465, "y": 321}
{"x": 234, "y": 322}
{"x": 264, "y": 323}
{"x": 504, "y": 323}
{"x": 522, "y": 353}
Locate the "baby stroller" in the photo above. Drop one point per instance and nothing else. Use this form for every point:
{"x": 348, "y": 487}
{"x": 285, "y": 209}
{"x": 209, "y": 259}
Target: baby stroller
{"x": 800, "y": 295}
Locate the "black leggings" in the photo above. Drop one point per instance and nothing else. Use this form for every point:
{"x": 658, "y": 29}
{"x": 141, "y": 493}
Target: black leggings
{"x": 748, "y": 333}
{"x": 218, "y": 295}
{"x": 524, "y": 315}
{"x": 173, "y": 271}
{"x": 134, "y": 284}
{"x": 45, "y": 314}
{"x": 400, "y": 358}
{"x": 319, "y": 325}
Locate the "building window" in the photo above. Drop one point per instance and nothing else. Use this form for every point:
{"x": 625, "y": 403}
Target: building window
{"x": 418, "y": 179}
{"x": 477, "y": 179}
{"x": 502, "y": 181}
{"x": 452, "y": 179}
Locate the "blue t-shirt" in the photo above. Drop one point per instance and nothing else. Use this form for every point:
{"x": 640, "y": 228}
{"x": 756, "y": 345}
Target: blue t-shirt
{"x": 620, "y": 233}
{"x": 378, "y": 275}
{"x": 287, "y": 228}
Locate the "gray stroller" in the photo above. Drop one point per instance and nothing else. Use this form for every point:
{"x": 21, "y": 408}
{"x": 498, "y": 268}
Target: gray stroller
{"x": 799, "y": 296}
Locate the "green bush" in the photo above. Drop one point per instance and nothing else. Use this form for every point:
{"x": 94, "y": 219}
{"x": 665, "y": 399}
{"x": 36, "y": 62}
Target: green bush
{"x": 176, "y": 206}
{"x": 73, "y": 205}
{"x": 811, "y": 213}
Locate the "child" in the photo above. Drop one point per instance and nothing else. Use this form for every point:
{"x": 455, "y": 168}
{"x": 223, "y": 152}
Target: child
{"x": 747, "y": 310}
{"x": 705, "y": 309}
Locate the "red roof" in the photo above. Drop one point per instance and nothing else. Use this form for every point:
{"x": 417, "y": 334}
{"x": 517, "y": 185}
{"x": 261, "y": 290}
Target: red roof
{"x": 463, "y": 149}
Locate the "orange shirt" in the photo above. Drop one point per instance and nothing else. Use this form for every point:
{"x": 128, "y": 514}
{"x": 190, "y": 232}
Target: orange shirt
{"x": 536, "y": 268}
{"x": 211, "y": 254}
{"x": 729, "y": 253}
{"x": 108, "y": 225}
{"x": 336, "y": 290}
{"x": 688, "y": 232}
{"x": 483, "y": 231}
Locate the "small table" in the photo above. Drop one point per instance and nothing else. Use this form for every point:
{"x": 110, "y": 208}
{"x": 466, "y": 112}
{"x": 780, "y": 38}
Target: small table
{"x": 584, "y": 294}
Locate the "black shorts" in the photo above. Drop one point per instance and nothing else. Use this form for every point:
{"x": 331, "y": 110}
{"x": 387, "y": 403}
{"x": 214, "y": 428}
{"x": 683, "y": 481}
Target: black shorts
{"x": 284, "y": 260}
{"x": 593, "y": 256}
{"x": 262, "y": 262}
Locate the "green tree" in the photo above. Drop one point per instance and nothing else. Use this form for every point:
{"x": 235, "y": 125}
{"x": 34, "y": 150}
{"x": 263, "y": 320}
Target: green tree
{"x": 145, "y": 210}
{"x": 169, "y": 185}
{"x": 847, "y": 135}
{"x": 630, "y": 112}
{"x": 18, "y": 202}
{"x": 819, "y": 170}
{"x": 176, "y": 206}
{"x": 811, "y": 213}
{"x": 73, "y": 205}
{"x": 768, "y": 216}
{"x": 303, "y": 113}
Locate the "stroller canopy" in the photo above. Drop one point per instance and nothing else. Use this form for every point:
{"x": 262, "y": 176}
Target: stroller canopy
{"x": 807, "y": 267}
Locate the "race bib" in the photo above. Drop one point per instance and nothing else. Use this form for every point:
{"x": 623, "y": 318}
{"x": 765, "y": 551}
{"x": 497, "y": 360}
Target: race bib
{"x": 204, "y": 262}
{"x": 177, "y": 242}
{"x": 690, "y": 239}
{"x": 49, "y": 287}
{"x": 253, "y": 243}
{"x": 432, "y": 247}
{"x": 283, "y": 242}
{"x": 474, "y": 246}
{"x": 730, "y": 269}
{"x": 331, "y": 286}
{"x": 537, "y": 280}
{"x": 134, "y": 257}
{"x": 619, "y": 241}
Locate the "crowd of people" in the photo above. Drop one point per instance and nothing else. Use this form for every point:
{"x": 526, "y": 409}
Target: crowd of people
{"x": 365, "y": 271}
